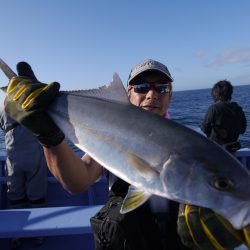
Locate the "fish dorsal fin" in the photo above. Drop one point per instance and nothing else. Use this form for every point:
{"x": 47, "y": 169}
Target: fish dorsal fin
{"x": 114, "y": 91}
{"x": 134, "y": 198}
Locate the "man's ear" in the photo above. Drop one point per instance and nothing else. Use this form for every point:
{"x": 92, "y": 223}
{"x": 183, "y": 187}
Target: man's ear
{"x": 129, "y": 89}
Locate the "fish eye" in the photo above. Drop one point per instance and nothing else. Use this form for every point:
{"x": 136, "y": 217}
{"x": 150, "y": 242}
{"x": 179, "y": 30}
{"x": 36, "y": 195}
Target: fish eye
{"x": 222, "y": 183}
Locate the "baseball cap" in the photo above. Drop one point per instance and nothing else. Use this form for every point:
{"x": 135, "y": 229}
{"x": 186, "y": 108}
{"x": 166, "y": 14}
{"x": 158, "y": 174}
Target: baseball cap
{"x": 149, "y": 65}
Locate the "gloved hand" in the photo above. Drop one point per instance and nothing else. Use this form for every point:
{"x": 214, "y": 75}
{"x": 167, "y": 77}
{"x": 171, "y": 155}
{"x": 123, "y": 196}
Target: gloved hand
{"x": 26, "y": 101}
{"x": 201, "y": 228}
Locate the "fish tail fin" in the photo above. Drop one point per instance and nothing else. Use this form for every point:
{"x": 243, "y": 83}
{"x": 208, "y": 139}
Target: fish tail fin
{"x": 7, "y": 71}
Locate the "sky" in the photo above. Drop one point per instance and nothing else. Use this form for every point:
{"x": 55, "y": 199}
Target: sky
{"x": 82, "y": 43}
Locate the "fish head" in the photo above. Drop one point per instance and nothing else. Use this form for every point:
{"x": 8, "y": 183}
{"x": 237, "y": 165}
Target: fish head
{"x": 214, "y": 179}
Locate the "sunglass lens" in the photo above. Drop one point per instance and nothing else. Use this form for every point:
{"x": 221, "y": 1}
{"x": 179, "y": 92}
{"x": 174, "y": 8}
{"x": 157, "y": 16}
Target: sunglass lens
{"x": 162, "y": 88}
{"x": 141, "y": 88}
{"x": 158, "y": 87}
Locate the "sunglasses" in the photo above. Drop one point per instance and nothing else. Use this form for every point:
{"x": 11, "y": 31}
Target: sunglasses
{"x": 159, "y": 87}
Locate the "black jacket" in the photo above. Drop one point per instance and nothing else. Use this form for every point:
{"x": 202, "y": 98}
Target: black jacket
{"x": 224, "y": 122}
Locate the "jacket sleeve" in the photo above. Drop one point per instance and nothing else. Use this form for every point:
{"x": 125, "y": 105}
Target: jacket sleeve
{"x": 208, "y": 121}
{"x": 243, "y": 124}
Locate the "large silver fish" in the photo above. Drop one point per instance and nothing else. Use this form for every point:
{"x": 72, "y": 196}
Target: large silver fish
{"x": 155, "y": 155}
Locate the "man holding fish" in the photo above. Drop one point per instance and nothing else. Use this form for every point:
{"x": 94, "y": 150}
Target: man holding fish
{"x": 149, "y": 88}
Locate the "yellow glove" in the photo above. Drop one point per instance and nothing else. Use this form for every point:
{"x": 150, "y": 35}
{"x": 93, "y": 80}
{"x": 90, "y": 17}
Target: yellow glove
{"x": 26, "y": 102}
{"x": 201, "y": 228}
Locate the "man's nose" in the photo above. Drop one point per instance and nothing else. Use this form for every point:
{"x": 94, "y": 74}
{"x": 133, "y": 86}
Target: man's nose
{"x": 152, "y": 94}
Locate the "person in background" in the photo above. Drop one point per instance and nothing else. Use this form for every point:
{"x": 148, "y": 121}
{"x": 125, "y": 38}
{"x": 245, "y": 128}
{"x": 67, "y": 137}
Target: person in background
{"x": 147, "y": 227}
{"x": 26, "y": 169}
{"x": 225, "y": 120}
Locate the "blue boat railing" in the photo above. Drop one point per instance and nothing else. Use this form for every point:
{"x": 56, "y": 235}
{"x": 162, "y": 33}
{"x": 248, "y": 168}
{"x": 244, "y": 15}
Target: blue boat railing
{"x": 64, "y": 221}
{"x": 244, "y": 156}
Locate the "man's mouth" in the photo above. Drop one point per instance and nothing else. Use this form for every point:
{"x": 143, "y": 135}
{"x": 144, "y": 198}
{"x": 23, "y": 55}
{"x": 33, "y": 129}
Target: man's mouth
{"x": 150, "y": 107}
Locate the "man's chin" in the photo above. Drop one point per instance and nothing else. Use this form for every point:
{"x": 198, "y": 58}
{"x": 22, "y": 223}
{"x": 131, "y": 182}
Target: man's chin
{"x": 152, "y": 110}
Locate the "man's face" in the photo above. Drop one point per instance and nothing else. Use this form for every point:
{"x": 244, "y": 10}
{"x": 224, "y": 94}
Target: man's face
{"x": 152, "y": 100}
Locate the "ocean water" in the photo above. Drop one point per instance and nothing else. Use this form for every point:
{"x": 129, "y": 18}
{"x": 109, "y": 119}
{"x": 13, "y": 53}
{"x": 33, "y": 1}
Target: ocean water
{"x": 189, "y": 108}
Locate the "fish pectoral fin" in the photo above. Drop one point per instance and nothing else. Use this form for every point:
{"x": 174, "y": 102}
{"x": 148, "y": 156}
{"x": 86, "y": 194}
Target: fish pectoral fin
{"x": 134, "y": 198}
{"x": 143, "y": 167}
